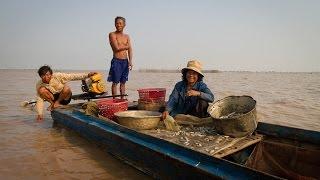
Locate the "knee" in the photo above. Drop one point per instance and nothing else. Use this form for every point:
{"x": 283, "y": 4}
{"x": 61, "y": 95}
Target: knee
{"x": 43, "y": 90}
{"x": 203, "y": 103}
{"x": 66, "y": 89}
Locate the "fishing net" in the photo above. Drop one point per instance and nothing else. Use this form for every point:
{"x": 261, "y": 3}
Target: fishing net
{"x": 286, "y": 160}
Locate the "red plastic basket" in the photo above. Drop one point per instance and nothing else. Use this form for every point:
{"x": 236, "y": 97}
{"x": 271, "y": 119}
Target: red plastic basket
{"x": 107, "y": 107}
{"x": 152, "y": 93}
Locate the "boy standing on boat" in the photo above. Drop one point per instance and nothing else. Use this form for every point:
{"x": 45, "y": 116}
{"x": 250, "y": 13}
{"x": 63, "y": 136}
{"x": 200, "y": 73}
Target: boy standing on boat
{"x": 122, "y": 57}
{"x": 53, "y": 88}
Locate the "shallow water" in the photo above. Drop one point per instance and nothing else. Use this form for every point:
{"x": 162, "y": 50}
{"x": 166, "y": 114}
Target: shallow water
{"x": 32, "y": 150}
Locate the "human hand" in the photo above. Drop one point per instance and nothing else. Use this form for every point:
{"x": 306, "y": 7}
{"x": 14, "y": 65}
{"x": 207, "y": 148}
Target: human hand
{"x": 130, "y": 66}
{"x": 165, "y": 114}
{"x": 193, "y": 93}
{"x": 39, "y": 117}
{"x": 91, "y": 74}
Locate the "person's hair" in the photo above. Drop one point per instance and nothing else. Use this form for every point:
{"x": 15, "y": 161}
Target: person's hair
{"x": 184, "y": 75}
{"x": 44, "y": 69}
{"x": 120, "y": 18}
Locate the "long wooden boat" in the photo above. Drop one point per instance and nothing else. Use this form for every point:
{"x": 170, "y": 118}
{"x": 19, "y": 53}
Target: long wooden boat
{"x": 273, "y": 152}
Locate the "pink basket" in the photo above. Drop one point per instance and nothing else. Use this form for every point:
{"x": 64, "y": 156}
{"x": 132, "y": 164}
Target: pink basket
{"x": 107, "y": 107}
{"x": 152, "y": 93}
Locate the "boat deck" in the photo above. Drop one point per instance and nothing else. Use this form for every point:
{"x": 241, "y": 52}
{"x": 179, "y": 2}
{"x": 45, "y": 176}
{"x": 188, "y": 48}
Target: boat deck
{"x": 201, "y": 138}
{"x": 204, "y": 139}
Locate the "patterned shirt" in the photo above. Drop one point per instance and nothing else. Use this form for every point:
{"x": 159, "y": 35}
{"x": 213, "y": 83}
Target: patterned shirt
{"x": 56, "y": 85}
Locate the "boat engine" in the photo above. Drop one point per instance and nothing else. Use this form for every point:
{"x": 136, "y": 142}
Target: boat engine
{"x": 94, "y": 85}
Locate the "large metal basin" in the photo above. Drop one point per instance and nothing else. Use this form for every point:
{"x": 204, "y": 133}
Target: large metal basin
{"x": 139, "y": 120}
{"x": 234, "y": 115}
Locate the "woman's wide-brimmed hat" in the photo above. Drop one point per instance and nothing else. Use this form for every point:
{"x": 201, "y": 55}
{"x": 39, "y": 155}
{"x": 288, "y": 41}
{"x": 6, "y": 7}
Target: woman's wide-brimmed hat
{"x": 194, "y": 65}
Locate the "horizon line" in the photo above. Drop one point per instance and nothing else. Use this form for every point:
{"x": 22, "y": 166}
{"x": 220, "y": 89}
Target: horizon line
{"x": 144, "y": 70}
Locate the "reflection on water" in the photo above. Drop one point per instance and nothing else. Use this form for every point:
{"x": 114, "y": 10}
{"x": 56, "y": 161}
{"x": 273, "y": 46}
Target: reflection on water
{"x": 40, "y": 151}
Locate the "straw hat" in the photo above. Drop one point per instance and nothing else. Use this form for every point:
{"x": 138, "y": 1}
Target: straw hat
{"x": 195, "y": 66}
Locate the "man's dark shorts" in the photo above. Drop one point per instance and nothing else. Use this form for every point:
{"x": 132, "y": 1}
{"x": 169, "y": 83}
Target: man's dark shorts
{"x": 63, "y": 102}
{"x": 119, "y": 71}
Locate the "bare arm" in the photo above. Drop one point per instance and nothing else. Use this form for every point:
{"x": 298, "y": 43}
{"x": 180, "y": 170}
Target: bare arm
{"x": 39, "y": 108}
{"x": 114, "y": 44}
{"x": 130, "y": 54}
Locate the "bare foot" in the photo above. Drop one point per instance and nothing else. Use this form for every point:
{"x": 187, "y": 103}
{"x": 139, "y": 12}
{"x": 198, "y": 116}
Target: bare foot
{"x": 50, "y": 107}
{"x": 40, "y": 118}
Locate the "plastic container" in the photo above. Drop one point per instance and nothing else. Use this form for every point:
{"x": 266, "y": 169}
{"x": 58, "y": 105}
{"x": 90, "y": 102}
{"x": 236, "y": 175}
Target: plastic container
{"x": 96, "y": 77}
{"x": 107, "y": 107}
{"x": 152, "y": 93}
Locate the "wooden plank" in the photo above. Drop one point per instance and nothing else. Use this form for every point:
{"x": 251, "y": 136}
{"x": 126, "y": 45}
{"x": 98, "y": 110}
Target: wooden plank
{"x": 239, "y": 145}
{"x": 204, "y": 140}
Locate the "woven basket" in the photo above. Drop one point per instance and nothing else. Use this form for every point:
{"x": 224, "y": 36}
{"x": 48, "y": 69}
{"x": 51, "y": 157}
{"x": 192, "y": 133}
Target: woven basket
{"x": 234, "y": 115}
{"x": 139, "y": 120}
{"x": 151, "y": 105}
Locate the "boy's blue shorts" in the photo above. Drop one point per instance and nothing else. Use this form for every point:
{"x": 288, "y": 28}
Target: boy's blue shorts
{"x": 119, "y": 70}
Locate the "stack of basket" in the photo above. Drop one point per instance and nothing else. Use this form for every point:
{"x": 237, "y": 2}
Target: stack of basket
{"x": 151, "y": 99}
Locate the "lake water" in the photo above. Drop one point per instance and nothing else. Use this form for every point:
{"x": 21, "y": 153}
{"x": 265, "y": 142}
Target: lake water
{"x": 33, "y": 150}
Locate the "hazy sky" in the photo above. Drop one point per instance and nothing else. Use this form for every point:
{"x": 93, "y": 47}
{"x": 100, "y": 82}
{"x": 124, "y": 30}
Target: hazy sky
{"x": 253, "y": 35}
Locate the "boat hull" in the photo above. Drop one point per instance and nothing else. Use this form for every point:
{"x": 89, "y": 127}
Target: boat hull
{"x": 154, "y": 156}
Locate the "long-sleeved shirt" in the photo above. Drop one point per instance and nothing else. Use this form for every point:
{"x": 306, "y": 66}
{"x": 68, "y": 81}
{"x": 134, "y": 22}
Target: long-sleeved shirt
{"x": 56, "y": 85}
{"x": 179, "y": 103}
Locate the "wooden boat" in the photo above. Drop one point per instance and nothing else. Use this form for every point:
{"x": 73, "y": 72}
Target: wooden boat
{"x": 273, "y": 152}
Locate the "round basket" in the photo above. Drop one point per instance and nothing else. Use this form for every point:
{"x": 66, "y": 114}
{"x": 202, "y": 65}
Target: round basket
{"x": 139, "y": 120}
{"x": 107, "y": 107}
{"x": 234, "y": 115}
{"x": 151, "y": 105}
{"x": 152, "y": 93}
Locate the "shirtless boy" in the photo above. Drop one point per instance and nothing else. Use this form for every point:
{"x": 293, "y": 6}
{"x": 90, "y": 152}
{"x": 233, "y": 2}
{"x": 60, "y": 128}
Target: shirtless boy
{"x": 122, "y": 57}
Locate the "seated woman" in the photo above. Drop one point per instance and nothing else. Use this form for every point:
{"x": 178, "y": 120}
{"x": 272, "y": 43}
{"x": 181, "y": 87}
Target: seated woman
{"x": 191, "y": 95}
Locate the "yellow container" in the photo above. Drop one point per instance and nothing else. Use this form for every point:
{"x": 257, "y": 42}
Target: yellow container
{"x": 98, "y": 87}
{"x": 96, "y": 77}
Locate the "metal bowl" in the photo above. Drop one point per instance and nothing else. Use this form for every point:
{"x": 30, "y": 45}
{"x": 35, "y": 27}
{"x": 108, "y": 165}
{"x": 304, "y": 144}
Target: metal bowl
{"x": 139, "y": 120}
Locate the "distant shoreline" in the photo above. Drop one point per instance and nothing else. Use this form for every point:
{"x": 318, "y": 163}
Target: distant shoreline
{"x": 171, "y": 71}
{"x": 158, "y": 70}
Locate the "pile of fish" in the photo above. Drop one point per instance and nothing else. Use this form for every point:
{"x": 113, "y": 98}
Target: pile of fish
{"x": 204, "y": 139}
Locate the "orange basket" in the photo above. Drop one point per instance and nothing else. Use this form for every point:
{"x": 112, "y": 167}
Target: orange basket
{"x": 107, "y": 107}
{"x": 152, "y": 93}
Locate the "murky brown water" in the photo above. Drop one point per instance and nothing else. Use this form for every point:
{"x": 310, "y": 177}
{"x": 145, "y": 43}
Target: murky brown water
{"x": 32, "y": 150}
